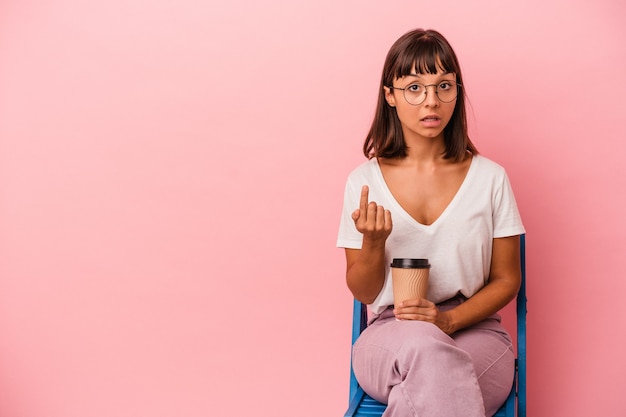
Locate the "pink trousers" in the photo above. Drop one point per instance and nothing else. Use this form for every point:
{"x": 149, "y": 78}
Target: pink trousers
{"x": 420, "y": 371}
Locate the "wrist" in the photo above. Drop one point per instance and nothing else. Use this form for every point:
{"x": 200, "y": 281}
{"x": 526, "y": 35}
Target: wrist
{"x": 373, "y": 244}
{"x": 448, "y": 322}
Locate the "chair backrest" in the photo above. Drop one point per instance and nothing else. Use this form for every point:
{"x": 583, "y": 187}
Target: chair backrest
{"x": 359, "y": 323}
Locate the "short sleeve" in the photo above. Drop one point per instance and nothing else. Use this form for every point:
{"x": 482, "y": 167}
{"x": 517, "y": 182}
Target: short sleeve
{"x": 506, "y": 217}
{"x": 348, "y": 236}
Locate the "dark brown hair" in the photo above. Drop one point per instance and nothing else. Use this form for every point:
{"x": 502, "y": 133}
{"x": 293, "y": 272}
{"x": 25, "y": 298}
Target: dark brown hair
{"x": 425, "y": 51}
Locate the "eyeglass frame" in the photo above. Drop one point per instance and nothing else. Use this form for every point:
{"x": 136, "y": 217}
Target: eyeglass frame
{"x": 426, "y": 91}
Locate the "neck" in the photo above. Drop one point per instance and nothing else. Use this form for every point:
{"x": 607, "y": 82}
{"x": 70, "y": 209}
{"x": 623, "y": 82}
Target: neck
{"x": 425, "y": 150}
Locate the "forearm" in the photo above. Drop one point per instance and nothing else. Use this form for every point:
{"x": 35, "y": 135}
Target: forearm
{"x": 489, "y": 300}
{"x": 365, "y": 274}
{"x": 504, "y": 281}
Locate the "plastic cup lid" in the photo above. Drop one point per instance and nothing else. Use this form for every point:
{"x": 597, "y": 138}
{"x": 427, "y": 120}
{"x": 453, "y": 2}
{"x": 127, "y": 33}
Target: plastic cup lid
{"x": 409, "y": 263}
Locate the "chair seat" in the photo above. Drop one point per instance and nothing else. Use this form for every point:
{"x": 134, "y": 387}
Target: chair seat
{"x": 362, "y": 405}
{"x": 370, "y": 407}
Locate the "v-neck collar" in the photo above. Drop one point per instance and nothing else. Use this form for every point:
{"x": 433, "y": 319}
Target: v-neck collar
{"x": 402, "y": 212}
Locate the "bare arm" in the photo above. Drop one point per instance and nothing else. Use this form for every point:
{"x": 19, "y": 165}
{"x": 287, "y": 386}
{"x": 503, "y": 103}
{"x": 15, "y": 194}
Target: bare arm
{"x": 504, "y": 282}
{"x": 365, "y": 271}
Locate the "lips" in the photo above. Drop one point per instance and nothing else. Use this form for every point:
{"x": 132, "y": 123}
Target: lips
{"x": 432, "y": 121}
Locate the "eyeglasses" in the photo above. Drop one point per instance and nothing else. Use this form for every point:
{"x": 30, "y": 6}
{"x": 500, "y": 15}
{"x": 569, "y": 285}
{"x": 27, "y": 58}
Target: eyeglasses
{"x": 415, "y": 93}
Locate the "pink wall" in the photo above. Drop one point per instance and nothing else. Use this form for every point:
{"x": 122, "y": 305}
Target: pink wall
{"x": 171, "y": 176}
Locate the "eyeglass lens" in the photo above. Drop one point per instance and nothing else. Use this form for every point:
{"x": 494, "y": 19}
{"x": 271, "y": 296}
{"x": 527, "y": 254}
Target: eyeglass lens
{"x": 416, "y": 93}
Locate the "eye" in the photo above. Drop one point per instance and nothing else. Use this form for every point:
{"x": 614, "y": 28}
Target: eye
{"x": 414, "y": 88}
{"x": 445, "y": 85}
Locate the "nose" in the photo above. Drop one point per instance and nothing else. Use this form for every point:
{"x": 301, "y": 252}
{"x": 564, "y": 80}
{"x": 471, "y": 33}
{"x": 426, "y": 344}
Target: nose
{"x": 431, "y": 96}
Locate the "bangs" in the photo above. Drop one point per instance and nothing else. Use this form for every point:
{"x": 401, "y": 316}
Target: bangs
{"x": 426, "y": 57}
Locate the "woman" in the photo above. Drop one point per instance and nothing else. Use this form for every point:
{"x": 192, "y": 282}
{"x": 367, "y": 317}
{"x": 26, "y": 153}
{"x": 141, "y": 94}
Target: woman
{"x": 426, "y": 193}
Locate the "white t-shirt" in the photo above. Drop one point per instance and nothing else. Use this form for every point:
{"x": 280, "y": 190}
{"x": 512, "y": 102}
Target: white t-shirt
{"x": 458, "y": 244}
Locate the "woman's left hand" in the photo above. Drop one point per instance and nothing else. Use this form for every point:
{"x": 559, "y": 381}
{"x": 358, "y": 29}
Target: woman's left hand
{"x": 423, "y": 310}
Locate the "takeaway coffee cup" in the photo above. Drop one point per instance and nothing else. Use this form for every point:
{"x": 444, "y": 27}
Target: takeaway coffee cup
{"x": 410, "y": 278}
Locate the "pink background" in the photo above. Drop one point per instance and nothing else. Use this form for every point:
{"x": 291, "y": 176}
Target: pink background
{"x": 171, "y": 177}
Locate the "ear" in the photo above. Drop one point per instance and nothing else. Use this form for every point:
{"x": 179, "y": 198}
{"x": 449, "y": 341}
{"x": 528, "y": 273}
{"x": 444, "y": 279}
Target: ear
{"x": 390, "y": 97}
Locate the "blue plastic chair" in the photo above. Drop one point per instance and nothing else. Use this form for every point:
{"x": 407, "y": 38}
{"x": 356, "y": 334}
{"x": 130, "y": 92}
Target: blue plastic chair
{"x": 362, "y": 405}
